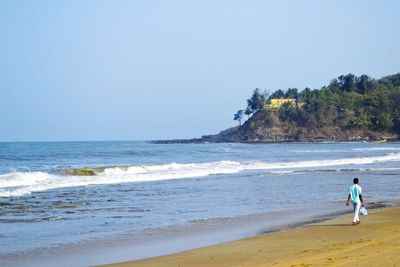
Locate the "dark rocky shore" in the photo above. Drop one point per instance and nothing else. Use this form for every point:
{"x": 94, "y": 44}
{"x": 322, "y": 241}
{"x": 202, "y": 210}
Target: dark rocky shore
{"x": 287, "y": 134}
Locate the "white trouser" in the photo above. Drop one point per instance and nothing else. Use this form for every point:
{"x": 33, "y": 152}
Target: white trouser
{"x": 357, "y": 207}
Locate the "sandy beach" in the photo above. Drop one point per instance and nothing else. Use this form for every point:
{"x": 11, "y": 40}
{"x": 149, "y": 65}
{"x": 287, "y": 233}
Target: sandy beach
{"x": 375, "y": 242}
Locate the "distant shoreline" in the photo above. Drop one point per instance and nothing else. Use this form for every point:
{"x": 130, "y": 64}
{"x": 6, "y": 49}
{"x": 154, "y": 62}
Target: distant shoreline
{"x": 278, "y": 135}
{"x": 320, "y": 141}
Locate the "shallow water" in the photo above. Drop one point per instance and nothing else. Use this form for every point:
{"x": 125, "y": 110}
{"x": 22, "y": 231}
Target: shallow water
{"x": 142, "y": 186}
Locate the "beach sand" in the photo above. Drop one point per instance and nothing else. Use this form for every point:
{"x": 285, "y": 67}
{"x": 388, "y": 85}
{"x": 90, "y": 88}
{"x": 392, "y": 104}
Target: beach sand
{"x": 375, "y": 242}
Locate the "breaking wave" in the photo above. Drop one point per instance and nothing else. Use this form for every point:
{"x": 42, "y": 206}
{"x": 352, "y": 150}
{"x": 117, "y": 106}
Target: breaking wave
{"x": 22, "y": 183}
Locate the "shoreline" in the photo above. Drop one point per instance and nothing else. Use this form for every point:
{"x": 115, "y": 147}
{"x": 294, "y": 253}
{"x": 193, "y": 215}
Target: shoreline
{"x": 179, "y": 238}
{"x": 290, "y": 141}
{"x": 330, "y": 241}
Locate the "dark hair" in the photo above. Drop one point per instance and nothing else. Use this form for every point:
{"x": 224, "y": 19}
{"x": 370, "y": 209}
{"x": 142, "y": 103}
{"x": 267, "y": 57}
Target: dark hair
{"x": 355, "y": 180}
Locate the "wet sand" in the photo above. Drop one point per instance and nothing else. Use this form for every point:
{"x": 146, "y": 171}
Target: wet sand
{"x": 375, "y": 242}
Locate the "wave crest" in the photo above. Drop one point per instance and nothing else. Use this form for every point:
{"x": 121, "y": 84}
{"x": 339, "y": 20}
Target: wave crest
{"x": 22, "y": 183}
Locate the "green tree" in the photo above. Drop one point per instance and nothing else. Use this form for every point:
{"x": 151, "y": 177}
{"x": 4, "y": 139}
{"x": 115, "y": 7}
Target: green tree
{"x": 363, "y": 84}
{"x": 292, "y": 93}
{"x": 349, "y": 101}
{"x": 361, "y": 122}
{"x": 384, "y": 121}
{"x": 396, "y": 120}
{"x": 278, "y": 94}
{"x": 239, "y": 116}
{"x": 257, "y": 101}
{"x": 334, "y": 86}
{"x": 347, "y": 82}
{"x": 248, "y": 112}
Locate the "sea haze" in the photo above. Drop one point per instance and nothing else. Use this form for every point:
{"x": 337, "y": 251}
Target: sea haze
{"x": 68, "y": 193}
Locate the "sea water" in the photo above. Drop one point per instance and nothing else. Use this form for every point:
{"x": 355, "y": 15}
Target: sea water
{"x": 55, "y": 194}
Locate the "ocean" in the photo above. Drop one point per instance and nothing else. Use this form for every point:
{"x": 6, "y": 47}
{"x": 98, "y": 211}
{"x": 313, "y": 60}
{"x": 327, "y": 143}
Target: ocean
{"x": 66, "y": 195}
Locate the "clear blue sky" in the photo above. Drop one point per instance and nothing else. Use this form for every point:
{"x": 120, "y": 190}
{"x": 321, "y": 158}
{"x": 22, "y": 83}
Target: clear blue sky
{"x": 112, "y": 70}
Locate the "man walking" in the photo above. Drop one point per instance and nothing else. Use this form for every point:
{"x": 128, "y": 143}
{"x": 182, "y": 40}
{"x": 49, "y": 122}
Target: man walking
{"x": 356, "y": 199}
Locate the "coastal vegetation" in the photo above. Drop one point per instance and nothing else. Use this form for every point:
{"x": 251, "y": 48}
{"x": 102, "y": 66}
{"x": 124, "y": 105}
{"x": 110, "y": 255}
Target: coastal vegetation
{"x": 349, "y": 107}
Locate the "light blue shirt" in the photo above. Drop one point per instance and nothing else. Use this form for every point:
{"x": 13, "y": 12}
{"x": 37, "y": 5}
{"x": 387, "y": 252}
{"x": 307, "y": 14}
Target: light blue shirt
{"x": 355, "y": 192}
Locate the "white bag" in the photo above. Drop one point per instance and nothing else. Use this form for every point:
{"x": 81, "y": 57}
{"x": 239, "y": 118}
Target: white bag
{"x": 363, "y": 211}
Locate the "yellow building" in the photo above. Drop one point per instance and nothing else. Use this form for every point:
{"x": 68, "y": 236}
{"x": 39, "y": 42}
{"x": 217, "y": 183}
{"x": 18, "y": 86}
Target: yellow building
{"x": 276, "y": 103}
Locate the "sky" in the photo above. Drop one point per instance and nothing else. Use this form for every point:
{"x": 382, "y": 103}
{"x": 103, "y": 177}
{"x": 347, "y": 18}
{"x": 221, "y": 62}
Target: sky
{"x": 141, "y": 70}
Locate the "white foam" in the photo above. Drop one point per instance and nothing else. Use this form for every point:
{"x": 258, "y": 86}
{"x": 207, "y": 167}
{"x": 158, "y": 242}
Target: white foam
{"x": 377, "y": 149}
{"x": 317, "y": 151}
{"x": 23, "y": 178}
{"x": 23, "y": 183}
{"x": 326, "y": 163}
